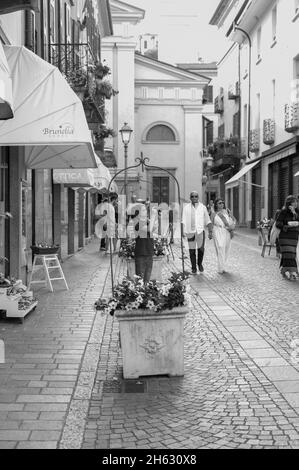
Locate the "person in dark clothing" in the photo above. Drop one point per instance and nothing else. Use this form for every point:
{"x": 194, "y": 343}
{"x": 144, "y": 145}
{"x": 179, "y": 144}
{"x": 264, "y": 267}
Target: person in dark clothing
{"x": 144, "y": 249}
{"x": 288, "y": 222}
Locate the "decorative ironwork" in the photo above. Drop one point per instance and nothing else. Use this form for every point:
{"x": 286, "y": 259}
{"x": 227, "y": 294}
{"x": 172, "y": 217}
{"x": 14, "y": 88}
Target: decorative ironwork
{"x": 142, "y": 161}
{"x": 218, "y": 105}
{"x": 291, "y": 117}
{"x": 269, "y": 131}
{"x": 254, "y": 141}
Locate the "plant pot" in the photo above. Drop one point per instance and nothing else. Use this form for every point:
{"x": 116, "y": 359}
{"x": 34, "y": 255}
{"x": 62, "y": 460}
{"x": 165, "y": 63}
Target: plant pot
{"x": 156, "y": 271}
{"x": 152, "y": 343}
{"x": 39, "y": 250}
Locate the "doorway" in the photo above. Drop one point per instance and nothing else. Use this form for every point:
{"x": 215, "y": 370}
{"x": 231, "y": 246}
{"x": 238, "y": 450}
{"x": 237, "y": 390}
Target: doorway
{"x": 161, "y": 189}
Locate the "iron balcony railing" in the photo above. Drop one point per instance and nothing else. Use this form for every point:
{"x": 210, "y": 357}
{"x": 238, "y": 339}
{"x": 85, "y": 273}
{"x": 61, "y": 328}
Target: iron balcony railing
{"x": 269, "y": 131}
{"x": 77, "y": 63}
{"x": 291, "y": 116}
{"x": 254, "y": 141}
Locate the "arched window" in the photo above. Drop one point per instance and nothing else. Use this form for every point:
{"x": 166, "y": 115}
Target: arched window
{"x": 160, "y": 133}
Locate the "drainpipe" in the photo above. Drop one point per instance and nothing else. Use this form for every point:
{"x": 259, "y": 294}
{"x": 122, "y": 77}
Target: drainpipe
{"x": 237, "y": 28}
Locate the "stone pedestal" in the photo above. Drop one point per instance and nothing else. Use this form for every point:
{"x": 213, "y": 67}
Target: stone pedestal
{"x": 152, "y": 343}
{"x": 156, "y": 271}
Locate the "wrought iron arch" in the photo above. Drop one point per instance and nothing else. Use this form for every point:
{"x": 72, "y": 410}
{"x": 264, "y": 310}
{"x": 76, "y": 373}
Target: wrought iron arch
{"x": 142, "y": 161}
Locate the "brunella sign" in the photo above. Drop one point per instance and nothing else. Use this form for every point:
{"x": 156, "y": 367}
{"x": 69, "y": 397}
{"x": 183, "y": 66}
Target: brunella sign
{"x": 63, "y": 130}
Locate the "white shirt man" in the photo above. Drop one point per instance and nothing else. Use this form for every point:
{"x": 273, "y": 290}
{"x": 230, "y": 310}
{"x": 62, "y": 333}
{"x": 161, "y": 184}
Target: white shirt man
{"x": 195, "y": 219}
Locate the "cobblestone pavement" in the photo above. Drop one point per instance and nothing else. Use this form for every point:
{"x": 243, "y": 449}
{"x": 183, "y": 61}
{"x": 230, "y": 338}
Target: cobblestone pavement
{"x": 51, "y": 358}
{"x": 62, "y": 386}
{"x": 241, "y": 382}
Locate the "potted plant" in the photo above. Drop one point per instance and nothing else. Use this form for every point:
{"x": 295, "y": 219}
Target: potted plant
{"x": 127, "y": 251}
{"x": 101, "y": 70}
{"x": 265, "y": 225}
{"x": 78, "y": 79}
{"x": 44, "y": 248}
{"x": 105, "y": 89}
{"x": 151, "y": 322}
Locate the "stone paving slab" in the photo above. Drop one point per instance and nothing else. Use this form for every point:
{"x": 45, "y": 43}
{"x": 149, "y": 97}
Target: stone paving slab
{"x": 224, "y": 400}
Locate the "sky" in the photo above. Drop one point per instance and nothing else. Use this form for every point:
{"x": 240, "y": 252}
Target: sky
{"x": 183, "y": 29}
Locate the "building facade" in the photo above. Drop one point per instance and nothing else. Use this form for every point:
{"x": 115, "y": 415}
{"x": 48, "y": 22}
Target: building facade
{"x": 266, "y": 34}
{"x": 164, "y": 106}
{"x": 63, "y": 33}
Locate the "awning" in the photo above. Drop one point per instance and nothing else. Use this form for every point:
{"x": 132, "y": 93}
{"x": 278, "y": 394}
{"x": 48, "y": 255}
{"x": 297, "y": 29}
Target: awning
{"x": 6, "y": 111}
{"x": 102, "y": 177}
{"x": 234, "y": 181}
{"x": 8, "y": 6}
{"x": 96, "y": 178}
{"x": 49, "y": 118}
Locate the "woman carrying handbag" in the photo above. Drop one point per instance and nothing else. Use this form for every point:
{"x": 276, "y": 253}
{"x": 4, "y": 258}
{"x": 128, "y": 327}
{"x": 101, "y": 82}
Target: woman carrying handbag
{"x": 223, "y": 232}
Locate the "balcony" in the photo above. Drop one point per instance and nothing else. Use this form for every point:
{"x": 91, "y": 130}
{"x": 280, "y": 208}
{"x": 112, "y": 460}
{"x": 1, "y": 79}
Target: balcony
{"x": 218, "y": 105}
{"x": 269, "y": 131}
{"x": 234, "y": 93}
{"x": 291, "y": 117}
{"x": 254, "y": 140}
{"x": 85, "y": 75}
{"x": 226, "y": 152}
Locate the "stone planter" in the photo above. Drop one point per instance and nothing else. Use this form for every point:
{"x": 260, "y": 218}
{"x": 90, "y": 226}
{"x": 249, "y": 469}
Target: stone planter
{"x": 156, "y": 271}
{"x": 152, "y": 343}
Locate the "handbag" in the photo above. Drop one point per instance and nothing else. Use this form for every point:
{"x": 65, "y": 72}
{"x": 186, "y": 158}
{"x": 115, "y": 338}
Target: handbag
{"x": 274, "y": 234}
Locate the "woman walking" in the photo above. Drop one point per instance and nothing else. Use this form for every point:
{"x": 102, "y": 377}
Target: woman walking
{"x": 223, "y": 226}
{"x": 288, "y": 223}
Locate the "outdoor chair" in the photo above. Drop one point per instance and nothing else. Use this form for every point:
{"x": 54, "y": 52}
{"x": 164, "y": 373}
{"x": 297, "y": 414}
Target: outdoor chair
{"x": 265, "y": 241}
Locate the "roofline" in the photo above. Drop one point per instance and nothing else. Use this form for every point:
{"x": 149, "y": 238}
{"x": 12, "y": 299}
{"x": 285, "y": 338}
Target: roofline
{"x": 219, "y": 10}
{"x": 133, "y": 6}
{"x": 239, "y": 14}
{"x": 173, "y": 66}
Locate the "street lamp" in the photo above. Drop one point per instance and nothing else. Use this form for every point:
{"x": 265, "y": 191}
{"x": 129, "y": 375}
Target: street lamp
{"x": 125, "y": 133}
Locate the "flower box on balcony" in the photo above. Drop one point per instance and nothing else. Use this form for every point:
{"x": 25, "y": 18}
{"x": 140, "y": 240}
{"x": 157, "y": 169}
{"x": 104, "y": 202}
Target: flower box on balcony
{"x": 269, "y": 131}
{"x": 291, "y": 117}
{"x": 254, "y": 144}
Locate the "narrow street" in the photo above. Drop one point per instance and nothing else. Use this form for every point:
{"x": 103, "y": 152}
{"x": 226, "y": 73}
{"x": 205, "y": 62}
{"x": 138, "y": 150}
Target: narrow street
{"x": 62, "y": 386}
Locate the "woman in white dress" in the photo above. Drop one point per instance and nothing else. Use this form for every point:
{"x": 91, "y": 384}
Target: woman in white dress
{"x": 223, "y": 226}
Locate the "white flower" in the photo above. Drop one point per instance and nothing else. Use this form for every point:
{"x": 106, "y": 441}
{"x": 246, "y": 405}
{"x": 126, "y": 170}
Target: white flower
{"x": 151, "y": 305}
{"x": 135, "y": 305}
{"x": 139, "y": 299}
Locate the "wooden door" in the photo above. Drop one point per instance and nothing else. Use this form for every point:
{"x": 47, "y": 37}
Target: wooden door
{"x": 161, "y": 189}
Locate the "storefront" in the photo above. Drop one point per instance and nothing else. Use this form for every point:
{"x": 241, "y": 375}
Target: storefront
{"x": 283, "y": 164}
{"x": 48, "y": 130}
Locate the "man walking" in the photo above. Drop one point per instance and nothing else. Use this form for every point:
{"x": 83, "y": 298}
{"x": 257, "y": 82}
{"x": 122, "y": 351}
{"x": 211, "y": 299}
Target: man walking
{"x": 195, "y": 218}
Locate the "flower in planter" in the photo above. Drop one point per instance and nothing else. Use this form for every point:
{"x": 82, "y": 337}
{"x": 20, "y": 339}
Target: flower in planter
{"x": 103, "y": 132}
{"x": 77, "y": 78}
{"x": 101, "y": 70}
{"x": 264, "y": 223}
{"x": 133, "y": 295}
{"x": 105, "y": 88}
